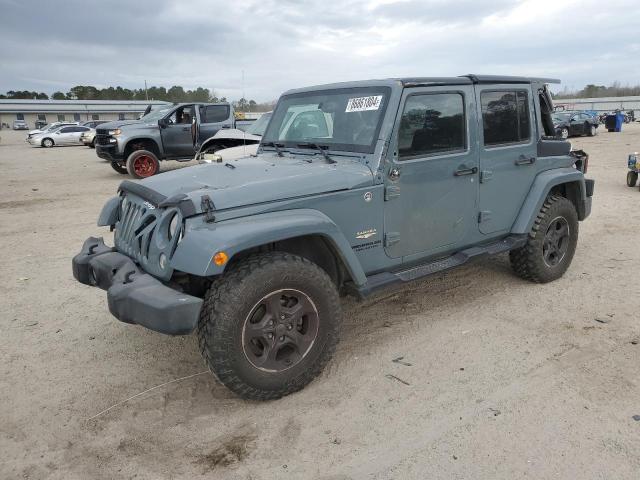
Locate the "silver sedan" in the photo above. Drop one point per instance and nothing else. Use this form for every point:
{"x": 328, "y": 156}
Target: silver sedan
{"x": 64, "y": 135}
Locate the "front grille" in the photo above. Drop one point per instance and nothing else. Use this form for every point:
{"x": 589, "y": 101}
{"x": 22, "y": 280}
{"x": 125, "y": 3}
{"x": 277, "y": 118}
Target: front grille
{"x": 141, "y": 233}
{"x": 102, "y": 139}
{"x": 135, "y": 229}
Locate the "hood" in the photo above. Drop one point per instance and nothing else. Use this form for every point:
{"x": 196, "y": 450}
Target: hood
{"x": 235, "y": 153}
{"x": 262, "y": 179}
{"x": 235, "y": 133}
{"x": 125, "y": 123}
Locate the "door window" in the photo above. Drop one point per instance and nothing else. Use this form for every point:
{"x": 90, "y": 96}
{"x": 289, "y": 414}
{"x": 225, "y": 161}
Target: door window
{"x": 66, "y": 130}
{"x": 182, "y": 115}
{"x": 214, "y": 113}
{"x": 432, "y": 124}
{"x": 505, "y": 117}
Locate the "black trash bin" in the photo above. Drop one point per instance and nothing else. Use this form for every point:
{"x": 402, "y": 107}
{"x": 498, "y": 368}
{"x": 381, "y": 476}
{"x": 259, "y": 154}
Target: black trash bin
{"x": 610, "y": 123}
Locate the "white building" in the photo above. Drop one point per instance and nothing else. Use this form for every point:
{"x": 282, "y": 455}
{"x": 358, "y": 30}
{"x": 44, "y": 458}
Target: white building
{"x": 601, "y": 105}
{"x": 48, "y": 111}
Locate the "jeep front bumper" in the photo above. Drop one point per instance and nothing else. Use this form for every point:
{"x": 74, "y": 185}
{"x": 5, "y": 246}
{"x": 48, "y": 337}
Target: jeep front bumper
{"x": 134, "y": 296}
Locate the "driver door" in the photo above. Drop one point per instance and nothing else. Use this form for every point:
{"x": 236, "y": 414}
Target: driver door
{"x": 176, "y": 136}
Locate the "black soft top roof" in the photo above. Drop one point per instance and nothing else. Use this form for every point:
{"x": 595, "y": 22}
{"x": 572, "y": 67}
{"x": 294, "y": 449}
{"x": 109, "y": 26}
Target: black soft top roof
{"x": 471, "y": 79}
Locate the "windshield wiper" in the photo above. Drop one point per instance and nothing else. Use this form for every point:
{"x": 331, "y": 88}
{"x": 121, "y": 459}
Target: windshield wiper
{"x": 276, "y": 146}
{"x": 320, "y": 149}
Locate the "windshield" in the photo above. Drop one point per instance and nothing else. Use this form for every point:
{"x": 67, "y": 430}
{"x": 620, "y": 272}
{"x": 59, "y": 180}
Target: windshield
{"x": 155, "y": 115}
{"x": 260, "y": 125}
{"x": 342, "y": 119}
{"x": 561, "y": 117}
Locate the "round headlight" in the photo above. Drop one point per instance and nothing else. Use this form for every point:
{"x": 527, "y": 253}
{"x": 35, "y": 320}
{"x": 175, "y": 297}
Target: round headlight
{"x": 173, "y": 226}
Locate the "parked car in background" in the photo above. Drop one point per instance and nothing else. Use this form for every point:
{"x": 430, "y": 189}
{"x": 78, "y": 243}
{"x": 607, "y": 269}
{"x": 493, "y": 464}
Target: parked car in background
{"x": 20, "y": 125}
{"x": 93, "y": 123}
{"x": 231, "y": 144}
{"x": 88, "y": 138}
{"x": 569, "y": 124}
{"x": 63, "y": 135}
{"x": 48, "y": 128}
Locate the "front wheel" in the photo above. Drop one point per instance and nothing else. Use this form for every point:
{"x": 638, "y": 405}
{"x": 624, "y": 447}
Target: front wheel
{"x": 592, "y": 130}
{"x": 47, "y": 143}
{"x": 632, "y": 178}
{"x": 269, "y": 325}
{"x": 551, "y": 243}
{"x": 142, "y": 164}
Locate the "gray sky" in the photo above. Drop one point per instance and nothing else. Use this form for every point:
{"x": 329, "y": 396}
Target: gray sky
{"x": 282, "y": 44}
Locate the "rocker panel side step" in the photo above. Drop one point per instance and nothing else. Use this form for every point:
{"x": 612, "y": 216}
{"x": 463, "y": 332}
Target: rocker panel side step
{"x": 382, "y": 280}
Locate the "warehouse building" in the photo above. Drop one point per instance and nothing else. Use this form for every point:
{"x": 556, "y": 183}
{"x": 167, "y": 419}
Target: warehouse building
{"x": 48, "y": 111}
{"x": 600, "y": 105}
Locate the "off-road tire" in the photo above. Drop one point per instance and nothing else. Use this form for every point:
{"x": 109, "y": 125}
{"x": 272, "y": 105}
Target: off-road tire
{"x": 632, "y": 178}
{"x": 118, "y": 167}
{"x": 528, "y": 261}
{"x": 47, "y": 142}
{"x": 152, "y": 164}
{"x": 233, "y": 296}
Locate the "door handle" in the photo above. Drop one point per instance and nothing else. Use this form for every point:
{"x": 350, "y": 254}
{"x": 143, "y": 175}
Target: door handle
{"x": 522, "y": 160}
{"x": 462, "y": 170}
{"x": 226, "y": 126}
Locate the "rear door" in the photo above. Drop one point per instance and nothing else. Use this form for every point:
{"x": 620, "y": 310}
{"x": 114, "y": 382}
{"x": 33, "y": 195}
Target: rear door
{"x": 432, "y": 186}
{"x": 507, "y": 153}
{"x": 214, "y": 118}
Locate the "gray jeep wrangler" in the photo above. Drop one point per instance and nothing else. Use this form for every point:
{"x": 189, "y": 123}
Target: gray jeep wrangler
{"x": 355, "y": 187}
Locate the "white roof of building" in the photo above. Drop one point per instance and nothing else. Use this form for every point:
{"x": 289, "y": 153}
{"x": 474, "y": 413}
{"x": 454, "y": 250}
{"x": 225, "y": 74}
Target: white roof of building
{"x": 74, "y": 106}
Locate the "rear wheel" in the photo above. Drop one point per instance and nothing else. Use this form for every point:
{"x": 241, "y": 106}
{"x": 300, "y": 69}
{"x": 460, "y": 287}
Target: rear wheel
{"x": 592, "y": 130}
{"x": 118, "y": 167}
{"x": 269, "y": 325}
{"x": 632, "y": 178}
{"x": 142, "y": 164}
{"x": 47, "y": 143}
{"x": 551, "y": 243}
{"x": 564, "y": 133}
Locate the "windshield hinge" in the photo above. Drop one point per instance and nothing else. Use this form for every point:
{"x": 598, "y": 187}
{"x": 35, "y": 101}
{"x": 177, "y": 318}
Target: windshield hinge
{"x": 391, "y": 192}
{"x": 207, "y": 208}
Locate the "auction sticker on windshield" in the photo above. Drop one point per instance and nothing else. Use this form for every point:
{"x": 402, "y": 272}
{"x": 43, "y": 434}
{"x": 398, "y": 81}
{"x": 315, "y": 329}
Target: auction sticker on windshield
{"x": 362, "y": 104}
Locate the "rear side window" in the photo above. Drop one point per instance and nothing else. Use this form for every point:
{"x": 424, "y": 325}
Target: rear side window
{"x": 432, "y": 124}
{"x": 215, "y": 113}
{"x": 505, "y": 117}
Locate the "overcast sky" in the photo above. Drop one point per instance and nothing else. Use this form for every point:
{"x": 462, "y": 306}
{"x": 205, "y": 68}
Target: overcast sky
{"x": 282, "y": 44}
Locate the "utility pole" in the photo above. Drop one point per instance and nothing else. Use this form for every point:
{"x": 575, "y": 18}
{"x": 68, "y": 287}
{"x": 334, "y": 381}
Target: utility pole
{"x": 146, "y": 94}
{"x": 243, "y": 86}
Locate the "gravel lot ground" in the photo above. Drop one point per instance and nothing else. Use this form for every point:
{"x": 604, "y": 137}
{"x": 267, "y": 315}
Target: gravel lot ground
{"x": 506, "y": 380}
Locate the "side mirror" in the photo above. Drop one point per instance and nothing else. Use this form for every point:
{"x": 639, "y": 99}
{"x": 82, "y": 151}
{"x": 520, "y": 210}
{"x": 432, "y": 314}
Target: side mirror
{"x": 163, "y": 123}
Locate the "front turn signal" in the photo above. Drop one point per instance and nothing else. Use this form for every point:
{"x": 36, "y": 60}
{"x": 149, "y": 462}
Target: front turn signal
{"x": 220, "y": 258}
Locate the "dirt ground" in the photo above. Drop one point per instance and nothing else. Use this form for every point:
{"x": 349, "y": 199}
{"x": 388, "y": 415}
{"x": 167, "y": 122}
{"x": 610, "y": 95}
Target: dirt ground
{"x": 499, "y": 378}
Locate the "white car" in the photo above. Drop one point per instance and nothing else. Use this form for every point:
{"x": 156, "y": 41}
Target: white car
{"x": 48, "y": 128}
{"x": 62, "y": 135}
{"x": 88, "y": 138}
{"x": 231, "y": 144}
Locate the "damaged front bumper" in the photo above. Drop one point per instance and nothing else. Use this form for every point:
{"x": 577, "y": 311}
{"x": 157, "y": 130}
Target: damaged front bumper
{"x": 133, "y": 295}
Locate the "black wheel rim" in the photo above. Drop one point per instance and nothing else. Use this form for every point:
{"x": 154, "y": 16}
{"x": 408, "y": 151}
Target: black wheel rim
{"x": 280, "y": 330}
{"x": 556, "y": 241}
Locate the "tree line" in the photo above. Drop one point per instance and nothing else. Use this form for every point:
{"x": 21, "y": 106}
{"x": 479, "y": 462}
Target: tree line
{"x": 599, "y": 91}
{"x": 175, "y": 94}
